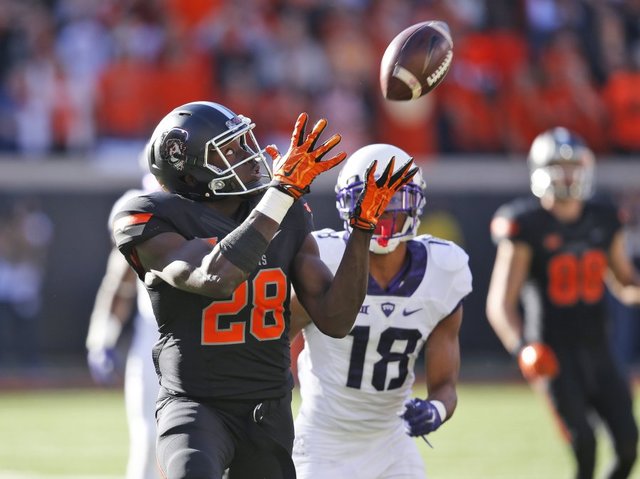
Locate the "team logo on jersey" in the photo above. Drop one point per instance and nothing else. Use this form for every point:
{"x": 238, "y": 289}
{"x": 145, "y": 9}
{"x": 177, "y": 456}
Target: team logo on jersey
{"x": 552, "y": 241}
{"x": 388, "y": 308}
{"x": 173, "y": 147}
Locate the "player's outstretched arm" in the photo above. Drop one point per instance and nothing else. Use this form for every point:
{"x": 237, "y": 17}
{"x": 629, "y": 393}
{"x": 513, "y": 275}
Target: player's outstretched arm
{"x": 216, "y": 271}
{"x": 334, "y": 302}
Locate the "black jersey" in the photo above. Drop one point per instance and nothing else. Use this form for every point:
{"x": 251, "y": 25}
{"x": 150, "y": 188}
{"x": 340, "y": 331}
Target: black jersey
{"x": 229, "y": 348}
{"x": 568, "y": 264}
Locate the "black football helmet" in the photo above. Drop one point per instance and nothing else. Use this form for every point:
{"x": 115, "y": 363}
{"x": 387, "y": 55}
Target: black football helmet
{"x": 191, "y": 140}
{"x": 561, "y": 164}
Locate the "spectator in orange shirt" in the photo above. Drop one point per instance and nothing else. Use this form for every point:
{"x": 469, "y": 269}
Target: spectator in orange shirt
{"x": 123, "y": 99}
{"x": 181, "y": 75}
{"x": 470, "y": 96}
{"x": 568, "y": 93}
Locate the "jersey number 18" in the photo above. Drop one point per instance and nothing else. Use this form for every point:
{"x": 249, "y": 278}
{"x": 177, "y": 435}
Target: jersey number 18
{"x": 387, "y": 338}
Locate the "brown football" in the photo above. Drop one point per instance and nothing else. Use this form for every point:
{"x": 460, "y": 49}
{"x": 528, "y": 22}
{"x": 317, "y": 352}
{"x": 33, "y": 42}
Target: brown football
{"x": 416, "y": 61}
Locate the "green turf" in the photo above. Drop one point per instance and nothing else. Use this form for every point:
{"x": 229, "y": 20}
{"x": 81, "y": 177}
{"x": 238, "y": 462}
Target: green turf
{"x": 70, "y": 432}
{"x": 499, "y": 431}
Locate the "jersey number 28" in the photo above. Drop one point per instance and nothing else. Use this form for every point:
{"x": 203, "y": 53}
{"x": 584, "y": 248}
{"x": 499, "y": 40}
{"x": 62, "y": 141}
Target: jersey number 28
{"x": 268, "y": 293}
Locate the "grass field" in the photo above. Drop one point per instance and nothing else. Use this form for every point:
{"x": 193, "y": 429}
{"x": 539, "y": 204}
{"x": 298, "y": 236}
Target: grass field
{"x": 499, "y": 431}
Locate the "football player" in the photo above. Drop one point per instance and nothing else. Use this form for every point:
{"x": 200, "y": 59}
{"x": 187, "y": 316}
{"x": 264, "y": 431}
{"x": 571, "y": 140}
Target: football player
{"x": 119, "y": 293}
{"x": 555, "y": 254}
{"x": 219, "y": 250}
{"x": 357, "y": 417}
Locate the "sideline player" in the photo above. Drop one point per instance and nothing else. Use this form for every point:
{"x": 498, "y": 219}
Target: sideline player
{"x": 356, "y": 416}
{"x": 119, "y": 293}
{"x": 219, "y": 251}
{"x": 554, "y": 254}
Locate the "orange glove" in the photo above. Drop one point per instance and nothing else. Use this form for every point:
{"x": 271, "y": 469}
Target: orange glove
{"x": 294, "y": 172}
{"x": 537, "y": 360}
{"x": 376, "y": 194}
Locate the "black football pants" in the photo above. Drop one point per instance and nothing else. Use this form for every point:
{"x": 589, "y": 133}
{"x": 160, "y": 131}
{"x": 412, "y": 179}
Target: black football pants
{"x": 200, "y": 439}
{"x": 590, "y": 386}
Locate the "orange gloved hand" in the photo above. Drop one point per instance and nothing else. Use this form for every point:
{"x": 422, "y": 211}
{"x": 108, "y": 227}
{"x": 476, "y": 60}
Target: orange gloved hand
{"x": 376, "y": 194}
{"x": 294, "y": 172}
{"x": 537, "y": 360}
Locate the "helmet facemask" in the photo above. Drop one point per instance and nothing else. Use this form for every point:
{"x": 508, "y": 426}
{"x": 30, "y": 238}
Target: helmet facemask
{"x": 561, "y": 165}
{"x": 227, "y": 182}
{"x": 563, "y": 181}
{"x": 401, "y": 218}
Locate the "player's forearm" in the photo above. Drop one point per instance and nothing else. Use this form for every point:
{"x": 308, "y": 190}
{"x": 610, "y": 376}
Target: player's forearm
{"x": 114, "y": 303}
{"x": 628, "y": 295}
{"x": 107, "y": 319}
{"x": 219, "y": 271}
{"x": 622, "y": 278}
{"x": 234, "y": 259}
{"x": 626, "y": 288}
{"x": 442, "y": 368}
{"x": 216, "y": 272}
{"x": 447, "y": 395}
{"x": 507, "y": 324}
{"x": 343, "y": 299}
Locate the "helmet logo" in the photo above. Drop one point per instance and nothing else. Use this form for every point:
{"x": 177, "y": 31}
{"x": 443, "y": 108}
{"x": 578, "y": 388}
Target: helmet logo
{"x": 233, "y": 123}
{"x": 173, "y": 147}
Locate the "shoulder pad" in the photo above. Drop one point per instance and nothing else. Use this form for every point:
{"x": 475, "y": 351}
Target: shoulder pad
{"x": 117, "y": 206}
{"x": 448, "y": 279}
{"x": 507, "y": 222}
{"x": 447, "y": 255}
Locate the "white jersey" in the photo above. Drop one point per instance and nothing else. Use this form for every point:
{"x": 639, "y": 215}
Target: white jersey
{"x": 358, "y": 384}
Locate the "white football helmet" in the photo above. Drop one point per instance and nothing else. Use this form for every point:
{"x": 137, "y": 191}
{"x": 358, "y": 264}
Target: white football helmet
{"x": 561, "y": 164}
{"x": 409, "y": 200}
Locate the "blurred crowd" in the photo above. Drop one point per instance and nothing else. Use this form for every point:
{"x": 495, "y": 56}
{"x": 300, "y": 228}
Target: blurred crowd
{"x": 91, "y": 76}
{"x": 26, "y": 232}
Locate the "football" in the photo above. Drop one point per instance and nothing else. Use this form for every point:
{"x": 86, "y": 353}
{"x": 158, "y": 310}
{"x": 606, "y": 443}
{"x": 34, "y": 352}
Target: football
{"x": 416, "y": 61}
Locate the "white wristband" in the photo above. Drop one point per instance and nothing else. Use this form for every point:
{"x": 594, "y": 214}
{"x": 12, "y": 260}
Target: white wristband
{"x": 275, "y": 204}
{"x": 440, "y": 408}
